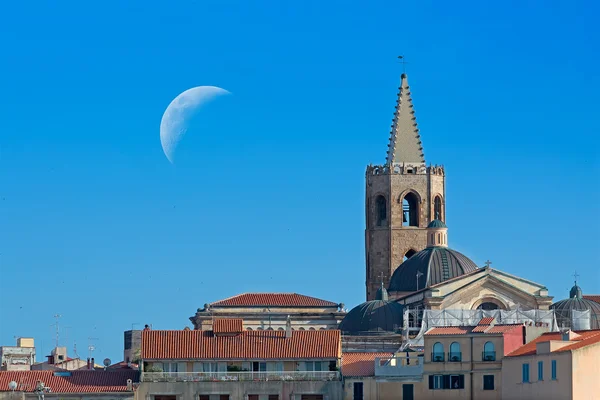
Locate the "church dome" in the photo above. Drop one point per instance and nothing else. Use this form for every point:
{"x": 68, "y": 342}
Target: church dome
{"x": 434, "y": 264}
{"x": 436, "y": 223}
{"x": 563, "y": 309}
{"x": 379, "y": 316}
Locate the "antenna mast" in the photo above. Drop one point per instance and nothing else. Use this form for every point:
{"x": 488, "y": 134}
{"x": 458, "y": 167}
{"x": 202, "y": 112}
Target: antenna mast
{"x": 57, "y": 317}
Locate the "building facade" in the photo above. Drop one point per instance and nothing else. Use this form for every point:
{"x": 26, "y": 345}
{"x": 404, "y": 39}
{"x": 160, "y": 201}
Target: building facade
{"x": 229, "y": 362}
{"x": 402, "y": 197}
{"x": 271, "y": 311}
{"x": 554, "y": 366}
{"x": 466, "y": 361}
{"x": 18, "y": 358}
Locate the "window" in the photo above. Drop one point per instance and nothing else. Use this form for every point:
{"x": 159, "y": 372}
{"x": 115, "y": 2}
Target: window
{"x": 553, "y": 370}
{"x": 259, "y": 366}
{"x": 380, "y": 210}
{"x": 488, "y": 382}
{"x": 437, "y": 355}
{"x": 273, "y": 397}
{"x": 410, "y": 210}
{"x": 525, "y": 373}
{"x": 409, "y": 254}
{"x": 455, "y": 354}
{"x": 437, "y": 208}
{"x": 489, "y": 352}
{"x": 358, "y": 391}
{"x": 446, "y": 382}
{"x": 540, "y": 370}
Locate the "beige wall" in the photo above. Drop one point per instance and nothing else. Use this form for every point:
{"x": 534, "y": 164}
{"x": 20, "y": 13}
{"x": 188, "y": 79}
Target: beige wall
{"x": 586, "y": 377}
{"x": 382, "y": 390}
{"x": 513, "y": 387}
{"x": 289, "y": 390}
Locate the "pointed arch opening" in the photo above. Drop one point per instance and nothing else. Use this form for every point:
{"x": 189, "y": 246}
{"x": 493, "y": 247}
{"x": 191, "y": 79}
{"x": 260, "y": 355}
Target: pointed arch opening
{"x": 380, "y": 211}
{"x": 410, "y": 210}
{"x": 437, "y": 208}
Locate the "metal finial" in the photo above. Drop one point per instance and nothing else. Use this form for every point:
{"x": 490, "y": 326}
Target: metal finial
{"x": 576, "y": 275}
{"x": 488, "y": 263}
{"x": 401, "y": 58}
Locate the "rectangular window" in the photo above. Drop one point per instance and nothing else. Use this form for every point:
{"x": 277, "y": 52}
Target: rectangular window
{"x": 488, "y": 382}
{"x": 358, "y": 391}
{"x": 438, "y": 381}
{"x": 540, "y": 370}
{"x": 553, "y": 370}
{"x": 273, "y": 397}
{"x": 224, "y": 397}
{"x": 252, "y": 397}
{"x": 525, "y": 373}
{"x": 456, "y": 382}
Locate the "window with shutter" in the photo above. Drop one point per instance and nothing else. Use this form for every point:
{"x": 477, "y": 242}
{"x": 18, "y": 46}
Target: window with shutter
{"x": 358, "y": 391}
{"x": 488, "y": 382}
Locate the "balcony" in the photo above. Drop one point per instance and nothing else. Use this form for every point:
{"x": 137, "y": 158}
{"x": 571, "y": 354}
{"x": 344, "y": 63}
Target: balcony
{"x": 240, "y": 376}
{"x": 488, "y": 356}
{"x": 455, "y": 356}
{"x": 399, "y": 366}
{"x": 437, "y": 357}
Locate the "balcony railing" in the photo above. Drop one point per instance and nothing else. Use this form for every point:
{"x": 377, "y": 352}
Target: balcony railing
{"x": 437, "y": 357}
{"x": 488, "y": 356}
{"x": 455, "y": 357}
{"x": 399, "y": 366}
{"x": 240, "y": 376}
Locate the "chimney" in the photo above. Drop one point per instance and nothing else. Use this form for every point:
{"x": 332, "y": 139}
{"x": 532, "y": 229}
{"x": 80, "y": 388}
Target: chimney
{"x": 88, "y": 363}
{"x": 92, "y": 363}
{"x": 288, "y": 327}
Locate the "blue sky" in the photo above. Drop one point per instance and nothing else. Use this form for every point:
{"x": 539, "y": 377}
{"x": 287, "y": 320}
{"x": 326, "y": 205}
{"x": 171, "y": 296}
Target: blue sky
{"x": 267, "y": 193}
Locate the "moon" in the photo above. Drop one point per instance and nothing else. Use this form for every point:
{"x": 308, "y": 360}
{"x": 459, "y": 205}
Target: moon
{"x": 174, "y": 122}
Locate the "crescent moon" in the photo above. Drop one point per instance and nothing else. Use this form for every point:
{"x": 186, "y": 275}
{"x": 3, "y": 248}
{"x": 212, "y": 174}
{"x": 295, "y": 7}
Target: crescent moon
{"x": 174, "y": 122}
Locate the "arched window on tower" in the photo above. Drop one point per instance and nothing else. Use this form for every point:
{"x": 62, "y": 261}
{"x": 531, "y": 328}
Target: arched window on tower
{"x": 410, "y": 210}
{"x": 380, "y": 211}
{"x": 437, "y": 208}
{"x": 409, "y": 254}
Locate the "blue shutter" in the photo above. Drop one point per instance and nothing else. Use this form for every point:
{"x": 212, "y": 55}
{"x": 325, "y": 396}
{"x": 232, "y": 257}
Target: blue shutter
{"x": 553, "y": 370}
{"x": 525, "y": 373}
{"x": 540, "y": 370}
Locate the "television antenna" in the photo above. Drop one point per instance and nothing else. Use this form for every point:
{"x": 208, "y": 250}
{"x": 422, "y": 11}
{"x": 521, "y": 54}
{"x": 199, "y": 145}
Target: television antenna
{"x": 56, "y": 324}
{"x": 91, "y": 346}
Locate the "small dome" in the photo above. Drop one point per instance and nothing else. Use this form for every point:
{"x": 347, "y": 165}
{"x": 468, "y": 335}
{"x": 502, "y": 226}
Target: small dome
{"x": 576, "y": 292}
{"x": 563, "y": 309}
{"x": 436, "y": 223}
{"x": 378, "y": 316}
{"x": 434, "y": 265}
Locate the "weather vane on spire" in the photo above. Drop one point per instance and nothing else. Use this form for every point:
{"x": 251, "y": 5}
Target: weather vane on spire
{"x": 403, "y": 62}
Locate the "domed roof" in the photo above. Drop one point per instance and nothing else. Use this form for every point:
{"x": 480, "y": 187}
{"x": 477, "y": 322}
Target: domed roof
{"x": 563, "y": 309}
{"x": 436, "y": 223}
{"x": 377, "y": 316}
{"x": 434, "y": 265}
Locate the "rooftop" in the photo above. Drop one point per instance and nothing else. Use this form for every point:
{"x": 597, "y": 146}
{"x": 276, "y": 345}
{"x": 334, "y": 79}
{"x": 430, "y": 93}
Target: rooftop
{"x": 188, "y": 345}
{"x": 227, "y": 325}
{"x": 465, "y": 330}
{"x": 361, "y": 364}
{"x": 75, "y": 382}
{"x": 592, "y": 297}
{"x": 584, "y": 338}
{"x": 272, "y": 300}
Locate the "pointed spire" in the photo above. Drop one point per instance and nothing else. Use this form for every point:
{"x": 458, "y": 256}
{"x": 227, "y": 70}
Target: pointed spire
{"x": 405, "y": 142}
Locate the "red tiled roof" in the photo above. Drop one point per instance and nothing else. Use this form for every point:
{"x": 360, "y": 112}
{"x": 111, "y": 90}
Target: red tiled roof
{"x": 592, "y": 297}
{"x": 227, "y": 325}
{"x": 486, "y": 321}
{"x": 585, "y": 338}
{"x": 190, "y": 345}
{"x": 463, "y": 330}
{"x": 273, "y": 300}
{"x": 449, "y": 330}
{"x": 361, "y": 364}
{"x": 78, "y": 382}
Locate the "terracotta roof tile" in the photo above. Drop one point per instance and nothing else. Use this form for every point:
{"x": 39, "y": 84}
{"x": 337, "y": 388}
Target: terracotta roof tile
{"x": 79, "y": 381}
{"x": 503, "y": 328}
{"x": 592, "y": 297}
{"x": 486, "y": 321}
{"x": 449, "y": 330}
{"x": 361, "y": 364}
{"x": 585, "y": 338}
{"x": 227, "y": 325}
{"x": 189, "y": 345}
{"x": 273, "y": 300}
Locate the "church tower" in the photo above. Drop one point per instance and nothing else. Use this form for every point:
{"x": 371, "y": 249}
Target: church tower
{"x": 402, "y": 197}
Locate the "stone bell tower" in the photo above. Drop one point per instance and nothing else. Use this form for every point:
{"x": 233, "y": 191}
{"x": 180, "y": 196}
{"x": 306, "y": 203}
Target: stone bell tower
{"x": 402, "y": 197}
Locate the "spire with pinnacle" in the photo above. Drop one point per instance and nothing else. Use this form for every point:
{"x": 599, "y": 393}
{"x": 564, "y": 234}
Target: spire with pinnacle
{"x": 405, "y": 142}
